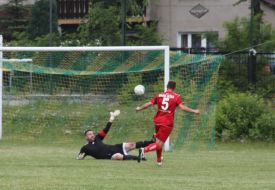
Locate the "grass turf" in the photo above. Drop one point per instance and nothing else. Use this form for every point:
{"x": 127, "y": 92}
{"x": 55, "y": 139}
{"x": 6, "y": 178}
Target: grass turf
{"x": 49, "y": 166}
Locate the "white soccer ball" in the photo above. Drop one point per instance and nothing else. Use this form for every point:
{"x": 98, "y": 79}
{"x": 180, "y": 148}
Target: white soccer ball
{"x": 139, "y": 89}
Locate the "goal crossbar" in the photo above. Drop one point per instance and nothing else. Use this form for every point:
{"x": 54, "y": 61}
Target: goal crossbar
{"x": 105, "y": 48}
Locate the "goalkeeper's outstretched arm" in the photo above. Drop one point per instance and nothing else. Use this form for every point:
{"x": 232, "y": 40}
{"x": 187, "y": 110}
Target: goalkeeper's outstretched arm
{"x": 102, "y": 133}
{"x": 144, "y": 106}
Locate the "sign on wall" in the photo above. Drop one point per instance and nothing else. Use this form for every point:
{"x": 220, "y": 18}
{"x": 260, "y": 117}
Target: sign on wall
{"x": 198, "y": 11}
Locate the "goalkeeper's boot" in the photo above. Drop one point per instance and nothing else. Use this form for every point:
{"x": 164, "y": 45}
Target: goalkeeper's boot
{"x": 113, "y": 115}
{"x": 140, "y": 154}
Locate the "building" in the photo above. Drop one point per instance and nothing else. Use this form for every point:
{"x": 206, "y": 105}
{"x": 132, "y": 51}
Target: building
{"x": 183, "y": 23}
{"x": 71, "y": 13}
{"x": 268, "y": 7}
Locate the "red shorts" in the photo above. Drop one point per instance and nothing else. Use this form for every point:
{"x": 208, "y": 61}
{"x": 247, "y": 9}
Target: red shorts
{"x": 163, "y": 132}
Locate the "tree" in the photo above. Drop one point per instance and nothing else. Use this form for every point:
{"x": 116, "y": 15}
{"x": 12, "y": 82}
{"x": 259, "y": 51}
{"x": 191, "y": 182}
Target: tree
{"x": 145, "y": 35}
{"x": 14, "y": 18}
{"x": 102, "y": 26}
{"x": 39, "y": 24}
{"x": 256, "y": 14}
{"x": 134, "y": 7}
{"x": 239, "y": 32}
{"x": 238, "y": 39}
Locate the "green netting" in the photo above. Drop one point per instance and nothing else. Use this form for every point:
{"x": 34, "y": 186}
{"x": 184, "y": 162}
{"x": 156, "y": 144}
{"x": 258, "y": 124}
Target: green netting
{"x": 62, "y": 93}
{"x": 199, "y": 90}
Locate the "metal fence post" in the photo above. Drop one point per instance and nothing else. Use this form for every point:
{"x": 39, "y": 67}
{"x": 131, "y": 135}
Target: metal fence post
{"x": 252, "y": 63}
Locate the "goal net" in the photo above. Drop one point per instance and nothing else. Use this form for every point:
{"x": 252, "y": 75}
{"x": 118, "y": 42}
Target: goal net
{"x": 54, "y": 94}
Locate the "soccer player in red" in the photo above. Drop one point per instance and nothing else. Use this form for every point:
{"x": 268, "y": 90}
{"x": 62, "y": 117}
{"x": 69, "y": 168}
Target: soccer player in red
{"x": 167, "y": 103}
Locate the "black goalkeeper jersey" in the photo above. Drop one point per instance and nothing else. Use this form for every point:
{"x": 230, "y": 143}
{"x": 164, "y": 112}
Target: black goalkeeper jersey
{"x": 98, "y": 149}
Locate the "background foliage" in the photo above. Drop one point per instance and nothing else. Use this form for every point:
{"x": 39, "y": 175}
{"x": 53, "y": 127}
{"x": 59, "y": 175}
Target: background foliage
{"x": 39, "y": 22}
{"x": 14, "y": 18}
{"x": 243, "y": 116}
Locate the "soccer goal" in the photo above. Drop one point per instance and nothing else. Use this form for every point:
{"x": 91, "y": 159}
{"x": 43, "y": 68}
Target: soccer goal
{"x": 53, "y": 92}
{"x": 90, "y": 79}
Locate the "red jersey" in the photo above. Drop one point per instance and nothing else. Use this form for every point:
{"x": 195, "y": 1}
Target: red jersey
{"x": 167, "y": 103}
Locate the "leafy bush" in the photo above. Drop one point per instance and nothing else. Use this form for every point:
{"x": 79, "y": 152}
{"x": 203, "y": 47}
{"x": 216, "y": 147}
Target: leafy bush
{"x": 244, "y": 116}
{"x": 21, "y": 39}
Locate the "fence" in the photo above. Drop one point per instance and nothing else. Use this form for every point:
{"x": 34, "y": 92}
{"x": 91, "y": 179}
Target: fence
{"x": 246, "y": 71}
{"x": 263, "y": 73}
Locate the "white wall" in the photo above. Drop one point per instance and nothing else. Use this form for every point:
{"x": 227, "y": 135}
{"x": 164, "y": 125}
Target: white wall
{"x": 269, "y": 14}
{"x": 174, "y": 17}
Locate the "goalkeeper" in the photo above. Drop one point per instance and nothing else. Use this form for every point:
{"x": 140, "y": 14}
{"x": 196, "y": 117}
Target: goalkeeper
{"x": 97, "y": 149}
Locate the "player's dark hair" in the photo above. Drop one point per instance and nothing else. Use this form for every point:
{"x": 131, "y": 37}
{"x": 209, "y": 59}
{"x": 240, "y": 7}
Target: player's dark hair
{"x": 171, "y": 84}
{"x": 86, "y": 131}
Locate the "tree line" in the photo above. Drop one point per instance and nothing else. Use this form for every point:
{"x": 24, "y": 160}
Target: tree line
{"x": 29, "y": 25}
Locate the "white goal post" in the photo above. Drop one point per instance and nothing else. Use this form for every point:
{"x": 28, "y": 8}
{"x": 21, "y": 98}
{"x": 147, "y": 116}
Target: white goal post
{"x": 165, "y": 49}
{"x": 1, "y": 85}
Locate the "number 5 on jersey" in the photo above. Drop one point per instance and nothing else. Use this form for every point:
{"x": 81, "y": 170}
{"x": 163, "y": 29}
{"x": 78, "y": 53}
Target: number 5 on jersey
{"x": 165, "y": 103}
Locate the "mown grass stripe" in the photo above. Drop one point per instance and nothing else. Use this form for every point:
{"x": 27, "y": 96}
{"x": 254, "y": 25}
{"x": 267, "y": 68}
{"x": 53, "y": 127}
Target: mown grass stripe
{"x": 130, "y": 61}
{"x": 98, "y": 61}
{"x": 83, "y": 60}
{"x": 117, "y": 60}
{"x": 54, "y": 59}
{"x": 158, "y": 63}
{"x": 174, "y": 58}
{"x": 68, "y": 60}
{"x": 148, "y": 59}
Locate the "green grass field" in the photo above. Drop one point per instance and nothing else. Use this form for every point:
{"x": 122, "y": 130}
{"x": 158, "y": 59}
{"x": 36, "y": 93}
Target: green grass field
{"x": 40, "y": 145}
{"x": 52, "y": 166}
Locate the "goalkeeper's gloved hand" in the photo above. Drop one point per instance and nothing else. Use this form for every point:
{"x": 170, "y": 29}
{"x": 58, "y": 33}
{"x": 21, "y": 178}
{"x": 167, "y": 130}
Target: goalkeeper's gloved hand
{"x": 113, "y": 115}
{"x": 80, "y": 156}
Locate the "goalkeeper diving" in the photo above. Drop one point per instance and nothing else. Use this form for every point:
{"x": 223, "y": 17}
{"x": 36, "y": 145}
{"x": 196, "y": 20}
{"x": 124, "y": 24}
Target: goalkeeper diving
{"x": 96, "y": 148}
